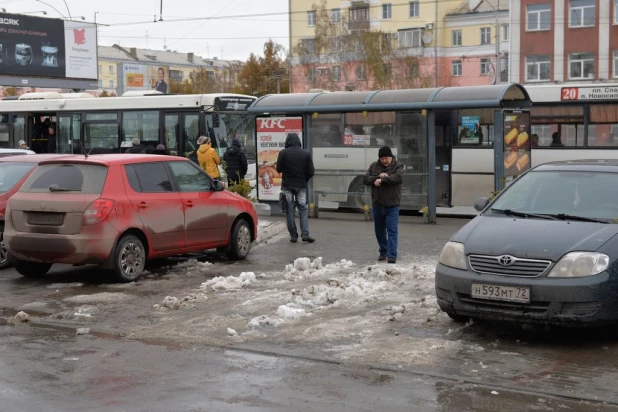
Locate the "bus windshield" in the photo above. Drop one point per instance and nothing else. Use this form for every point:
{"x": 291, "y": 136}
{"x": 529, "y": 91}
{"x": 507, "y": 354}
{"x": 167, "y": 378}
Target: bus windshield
{"x": 227, "y": 126}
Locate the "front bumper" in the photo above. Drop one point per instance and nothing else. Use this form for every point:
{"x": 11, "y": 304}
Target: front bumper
{"x": 583, "y": 301}
{"x": 92, "y": 246}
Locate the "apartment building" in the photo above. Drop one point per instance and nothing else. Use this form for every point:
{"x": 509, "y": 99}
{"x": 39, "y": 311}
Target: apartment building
{"x": 564, "y": 41}
{"x": 422, "y": 43}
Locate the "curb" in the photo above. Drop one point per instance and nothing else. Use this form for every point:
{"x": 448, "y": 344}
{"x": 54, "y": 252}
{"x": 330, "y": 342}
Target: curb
{"x": 270, "y": 231}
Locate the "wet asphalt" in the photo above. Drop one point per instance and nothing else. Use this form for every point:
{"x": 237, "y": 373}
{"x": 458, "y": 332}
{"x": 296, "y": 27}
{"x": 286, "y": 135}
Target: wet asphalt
{"x": 45, "y": 366}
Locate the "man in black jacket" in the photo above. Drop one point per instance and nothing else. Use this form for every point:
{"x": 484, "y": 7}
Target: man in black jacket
{"x": 385, "y": 178}
{"x": 296, "y": 166}
{"x": 236, "y": 161}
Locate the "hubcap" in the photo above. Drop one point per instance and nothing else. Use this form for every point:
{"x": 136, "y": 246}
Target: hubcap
{"x": 3, "y": 255}
{"x": 131, "y": 258}
{"x": 244, "y": 240}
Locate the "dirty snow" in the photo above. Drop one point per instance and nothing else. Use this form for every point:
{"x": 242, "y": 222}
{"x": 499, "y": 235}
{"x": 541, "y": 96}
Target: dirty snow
{"x": 221, "y": 283}
{"x": 82, "y": 331}
{"x": 20, "y": 317}
{"x": 104, "y": 297}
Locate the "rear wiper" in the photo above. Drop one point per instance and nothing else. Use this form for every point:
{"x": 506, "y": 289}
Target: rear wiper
{"x": 56, "y": 188}
{"x": 510, "y": 212}
{"x": 563, "y": 216}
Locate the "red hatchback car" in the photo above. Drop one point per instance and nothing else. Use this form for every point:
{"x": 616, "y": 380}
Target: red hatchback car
{"x": 120, "y": 210}
{"x": 13, "y": 172}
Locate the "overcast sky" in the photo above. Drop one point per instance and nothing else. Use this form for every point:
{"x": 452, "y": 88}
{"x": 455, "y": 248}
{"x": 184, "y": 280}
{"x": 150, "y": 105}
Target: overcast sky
{"x": 228, "y": 29}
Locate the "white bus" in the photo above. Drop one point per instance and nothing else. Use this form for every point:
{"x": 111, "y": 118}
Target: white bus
{"x": 83, "y": 123}
{"x": 584, "y": 115}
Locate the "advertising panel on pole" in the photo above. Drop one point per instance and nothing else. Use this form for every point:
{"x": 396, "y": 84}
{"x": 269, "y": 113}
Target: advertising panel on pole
{"x": 42, "y": 47}
{"x": 517, "y": 142}
{"x": 271, "y": 135}
{"x": 470, "y": 132}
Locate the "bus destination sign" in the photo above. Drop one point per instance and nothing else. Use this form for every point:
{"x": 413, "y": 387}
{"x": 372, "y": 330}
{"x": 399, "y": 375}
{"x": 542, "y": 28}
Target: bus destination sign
{"x": 589, "y": 93}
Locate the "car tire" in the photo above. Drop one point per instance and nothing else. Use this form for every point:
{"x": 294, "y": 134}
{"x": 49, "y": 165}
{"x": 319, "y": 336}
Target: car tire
{"x": 31, "y": 269}
{"x": 129, "y": 259}
{"x": 4, "y": 257}
{"x": 458, "y": 318}
{"x": 240, "y": 241}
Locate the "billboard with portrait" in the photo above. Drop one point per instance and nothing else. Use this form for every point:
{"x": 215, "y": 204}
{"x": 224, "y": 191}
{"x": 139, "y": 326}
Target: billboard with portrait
{"x": 134, "y": 76}
{"x": 42, "y": 47}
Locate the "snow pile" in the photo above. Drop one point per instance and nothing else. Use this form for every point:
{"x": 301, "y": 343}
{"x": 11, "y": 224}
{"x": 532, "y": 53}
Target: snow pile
{"x": 20, "y": 318}
{"x": 221, "y": 283}
{"x": 288, "y": 312}
{"x": 85, "y": 311}
{"x": 192, "y": 267}
{"x": 82, "y": 331}
{"x": 231, "y": 332}
{"x": 304, "y": 268}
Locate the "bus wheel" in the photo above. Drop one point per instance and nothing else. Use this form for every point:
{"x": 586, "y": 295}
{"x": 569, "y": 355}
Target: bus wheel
{"x": 358, "y": 195}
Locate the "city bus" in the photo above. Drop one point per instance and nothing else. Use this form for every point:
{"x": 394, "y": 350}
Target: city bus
{"x": 584, "y": 115}
{"x": 82, "y": 123}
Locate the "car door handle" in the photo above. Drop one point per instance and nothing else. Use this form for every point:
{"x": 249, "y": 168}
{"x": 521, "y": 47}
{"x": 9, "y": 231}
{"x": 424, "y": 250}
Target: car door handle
{"x": 142, "y": 205}
{"x": 189, "y": 204}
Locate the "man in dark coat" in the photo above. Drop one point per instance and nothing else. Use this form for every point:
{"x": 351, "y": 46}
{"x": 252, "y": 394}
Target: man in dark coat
{"x": 236, "y": 161}
{"x": 136, "y": 146}
{"x": 296, "y": 166}
{"x": 385, "y": 178}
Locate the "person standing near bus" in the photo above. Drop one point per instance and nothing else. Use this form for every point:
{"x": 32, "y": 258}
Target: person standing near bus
{"x": 385, "y": 178}
{"x": 236, "y": 161}
{"x": 296, "y": 166}
{"x": 208, "y": 158}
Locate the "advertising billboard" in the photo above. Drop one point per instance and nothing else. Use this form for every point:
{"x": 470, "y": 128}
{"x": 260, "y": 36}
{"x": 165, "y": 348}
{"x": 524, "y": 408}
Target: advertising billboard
{"x": 517, "y": 143}
{"x": 271, "y": 135}
{"x": 41, "y": 47}
{"x": 143, "y": 77}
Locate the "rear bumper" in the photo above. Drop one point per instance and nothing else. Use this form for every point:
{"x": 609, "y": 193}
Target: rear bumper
{"x": 589, "y": 301}
{"x": 92, "y": 246}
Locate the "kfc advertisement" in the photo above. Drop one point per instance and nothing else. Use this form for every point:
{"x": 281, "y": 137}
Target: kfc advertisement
{"x": 517, "y": 144}
{"x": 271, "y": 135}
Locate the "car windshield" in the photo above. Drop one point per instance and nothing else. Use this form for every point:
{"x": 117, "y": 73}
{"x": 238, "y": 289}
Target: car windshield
{"x": 11, "y": 173}
{"x": 564, "y": 194}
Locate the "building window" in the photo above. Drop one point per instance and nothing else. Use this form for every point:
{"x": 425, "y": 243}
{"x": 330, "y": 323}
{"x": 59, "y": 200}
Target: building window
{"x": 111, "y": 84}
{"x": 335, "y": 15}
{"x": 413, "y": 70}
{"x": 456, "y": 68}
{"x": 505, "y": 32}
{"x": 312, "y": 74}
{"x": 387, "y": 70}
{"x": 485, "y": 67}
{"x": 359, "y": 14}
{"x": 176, "y": 75}
{"x": 309, "y": 46}
{"x": 582, "y": 13}
{"x": 111, "y": 69}
{"x": 361, "y": 72}
{"x": 336, "y": 73}
{"x": 537, "y": 68}
{"x": 311, "y": 18}
{"x": 387, "y": 11}
{"x": 210, "y": 76}
{"x": 456, "y": 38}
{"x": 101, "y": 67}
{"x": 410, "y": 38}
{"x": 581, "y": 66}
{"x": 335, "y": 45}
{"x": 538, "y": 17}
{"x": 485, "y": 35}
{"x": 100, "y": 85}
{"x": 414, "y": 8}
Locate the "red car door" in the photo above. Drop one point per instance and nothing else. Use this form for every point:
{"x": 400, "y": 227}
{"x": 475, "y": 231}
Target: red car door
{"x": 205, "y": 209}
{"x": 158, "y": 206}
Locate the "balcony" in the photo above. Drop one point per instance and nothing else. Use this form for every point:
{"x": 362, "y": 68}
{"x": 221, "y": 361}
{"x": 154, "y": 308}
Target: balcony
{"x": 360, "y": 2}
{"x": 358, "y": 25}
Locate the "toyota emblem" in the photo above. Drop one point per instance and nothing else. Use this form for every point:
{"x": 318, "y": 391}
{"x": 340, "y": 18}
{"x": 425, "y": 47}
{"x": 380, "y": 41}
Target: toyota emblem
{"x": 506, "y": 260}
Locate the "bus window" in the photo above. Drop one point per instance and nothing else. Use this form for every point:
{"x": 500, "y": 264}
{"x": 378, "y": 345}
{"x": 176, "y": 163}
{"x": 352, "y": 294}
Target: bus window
{"x": 19, "y": 132}
{"x": 190, "y": 133}
{"x": 172, "y": 128}
{"x": 101, "y": 138}
{"x": 144, "y": 125}
{"x": 325, "y": 130}
{"x": 4, "y": 131}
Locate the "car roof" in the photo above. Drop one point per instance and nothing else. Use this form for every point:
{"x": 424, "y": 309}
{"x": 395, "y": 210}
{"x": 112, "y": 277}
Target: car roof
{"x": 114, "y": 158}
{"x": 585, "y": 165}
{"x": 34, "y": 158}
{"x": 20, "y": 151}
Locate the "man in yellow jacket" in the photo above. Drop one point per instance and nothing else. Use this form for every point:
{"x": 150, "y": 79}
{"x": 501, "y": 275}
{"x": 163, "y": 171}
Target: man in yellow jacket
{"x": 207, "y": 157}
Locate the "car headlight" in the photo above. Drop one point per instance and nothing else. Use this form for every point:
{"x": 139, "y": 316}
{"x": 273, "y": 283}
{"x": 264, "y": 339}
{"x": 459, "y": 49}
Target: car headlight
{"x": 580, "y": 264}
{"x": 453, "y": 256}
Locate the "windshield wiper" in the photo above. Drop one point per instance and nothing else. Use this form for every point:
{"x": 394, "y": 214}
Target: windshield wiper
{"x": 563, "y": 216}
{"x": 510, "y": 212}
{"x": 56, "y": 188}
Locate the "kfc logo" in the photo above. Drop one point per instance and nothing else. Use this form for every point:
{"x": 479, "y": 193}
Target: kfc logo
{"x": 79, "y": 36}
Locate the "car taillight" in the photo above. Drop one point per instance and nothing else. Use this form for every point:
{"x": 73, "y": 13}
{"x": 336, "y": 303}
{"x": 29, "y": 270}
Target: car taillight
{"x": 98, "y": 211}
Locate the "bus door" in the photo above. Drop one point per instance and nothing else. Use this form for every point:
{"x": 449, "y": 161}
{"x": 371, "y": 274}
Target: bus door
{"x": 443, "y": 157}
{"x": 180, "y": 132}
{"x": 68, "y": 133}
{"x": 20, "y": 131}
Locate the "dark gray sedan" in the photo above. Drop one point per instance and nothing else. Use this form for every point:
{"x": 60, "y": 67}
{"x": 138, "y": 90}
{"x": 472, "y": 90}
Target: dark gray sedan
{"x": 544, "y": 251}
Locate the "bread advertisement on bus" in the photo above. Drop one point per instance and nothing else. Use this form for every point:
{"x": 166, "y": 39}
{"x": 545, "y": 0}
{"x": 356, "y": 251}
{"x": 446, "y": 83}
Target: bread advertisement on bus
{"x": 42, "y": 47}
{"x": 517, "y": 143}
{"x": 271, "y": 135}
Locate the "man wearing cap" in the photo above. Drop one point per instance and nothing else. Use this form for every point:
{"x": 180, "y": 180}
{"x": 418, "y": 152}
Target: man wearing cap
{"x": 385, "y": 178}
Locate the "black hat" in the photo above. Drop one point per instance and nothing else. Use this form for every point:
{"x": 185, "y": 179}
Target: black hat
{"x": 385, "y": 151}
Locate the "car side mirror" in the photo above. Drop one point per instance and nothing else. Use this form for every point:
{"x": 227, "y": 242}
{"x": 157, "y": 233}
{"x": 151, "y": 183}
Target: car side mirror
{"x": 481, "y": 203}
{"x": 219, "y": 186}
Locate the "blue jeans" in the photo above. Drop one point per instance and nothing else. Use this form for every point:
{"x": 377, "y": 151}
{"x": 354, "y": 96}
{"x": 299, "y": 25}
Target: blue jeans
{"x": 297, "y": 197}
{"x": 385, "y": 220}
